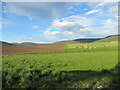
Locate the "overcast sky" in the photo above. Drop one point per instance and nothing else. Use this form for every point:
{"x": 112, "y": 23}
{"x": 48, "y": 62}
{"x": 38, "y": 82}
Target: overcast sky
{"x": 50, "y": 22}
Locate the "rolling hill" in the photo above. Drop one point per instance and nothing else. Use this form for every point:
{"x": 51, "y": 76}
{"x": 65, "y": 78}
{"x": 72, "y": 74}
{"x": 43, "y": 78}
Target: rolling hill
{"x": 87, "y": 40}
{"x": 110, "y": 38}
{"x": 25, "y": 44}
{"x": 66, "y": 42}
{"x": 30, "y": 44}
{"x": 6, "y": 44}
{"x": 76, "y": 41}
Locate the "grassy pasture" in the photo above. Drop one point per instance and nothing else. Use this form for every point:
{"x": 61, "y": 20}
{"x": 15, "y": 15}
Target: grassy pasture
{"x": 109, "y": 39}
{"x": 72, "y": 68}
{"x": 103, "y": 44}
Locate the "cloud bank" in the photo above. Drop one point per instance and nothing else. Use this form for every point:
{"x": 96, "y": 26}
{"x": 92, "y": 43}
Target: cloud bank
{"x": 97, "y": 20}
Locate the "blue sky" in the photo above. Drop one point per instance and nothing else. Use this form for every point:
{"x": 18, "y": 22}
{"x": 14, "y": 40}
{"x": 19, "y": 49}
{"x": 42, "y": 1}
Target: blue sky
{"x": 49, "y": 22}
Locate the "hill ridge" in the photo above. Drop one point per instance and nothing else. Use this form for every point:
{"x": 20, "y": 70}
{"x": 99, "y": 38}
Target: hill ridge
{"x": 80, "y": 40}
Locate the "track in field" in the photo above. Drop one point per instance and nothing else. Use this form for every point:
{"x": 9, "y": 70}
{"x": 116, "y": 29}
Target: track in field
{"x": 31, "y": 49}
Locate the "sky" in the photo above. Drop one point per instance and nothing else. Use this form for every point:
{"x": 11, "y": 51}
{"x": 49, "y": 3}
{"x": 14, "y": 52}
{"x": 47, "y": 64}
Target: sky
{"x": 48, "y": 22}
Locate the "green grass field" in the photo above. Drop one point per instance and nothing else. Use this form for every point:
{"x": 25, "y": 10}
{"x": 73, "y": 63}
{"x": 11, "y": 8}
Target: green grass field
{"x": 75, "y": 67}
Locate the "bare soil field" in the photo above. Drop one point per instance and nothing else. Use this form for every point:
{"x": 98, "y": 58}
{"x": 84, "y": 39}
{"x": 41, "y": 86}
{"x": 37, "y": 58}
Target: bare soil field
{"x": 31, "y": 49}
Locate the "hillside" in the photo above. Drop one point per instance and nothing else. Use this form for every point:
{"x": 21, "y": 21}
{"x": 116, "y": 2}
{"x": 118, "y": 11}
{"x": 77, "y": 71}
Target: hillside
{"x": 25, "y": 44}
{"x": 75, "y": 41}
{"x": 66, "y": 42}
{"x": 87, "y": 40}
{"x": 111, "y": 38}
{"x": 6, "y": 44}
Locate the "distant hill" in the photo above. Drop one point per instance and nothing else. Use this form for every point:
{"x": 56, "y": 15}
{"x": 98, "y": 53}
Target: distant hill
{"x": 66, "y": 42}
{"x": 6, "y": 44}
{"x": 28, "y": 44}
{"x": 87, "y": 40}
{"x": 110, "y": 38}
{"x": 76, "y": 41}
{"x": 25, "y": 44}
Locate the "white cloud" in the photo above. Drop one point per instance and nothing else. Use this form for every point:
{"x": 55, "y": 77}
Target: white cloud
{"x": 83, "y": 30}
{"x": 52, "y": 32}
{"x": 64, "y": 39}
{"x": 85, "y": 9}
{"x": 36, "y": 27}
{"x": 79, "y": 27}
{"x": 70, "y": 8}
{"x": 92, "y": 11}
{"x": 29, "y": 17}
{"x": 65, "y": 25}
{"x": 109, "y": 27}
{"x": 96, "y": 5}
{"x": 84, "y": 21}
{"x": 113, "y": 11}
{"x": 58, "y": 35}
{"x": 102, "y": 4}
{"x": 71, "y": 27}
{"x": 93, "y": 4}
{"x": 68, "y": 27}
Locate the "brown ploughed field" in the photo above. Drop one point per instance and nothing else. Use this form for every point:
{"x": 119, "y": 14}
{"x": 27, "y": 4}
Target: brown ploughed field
{"x": 31, "y": 49}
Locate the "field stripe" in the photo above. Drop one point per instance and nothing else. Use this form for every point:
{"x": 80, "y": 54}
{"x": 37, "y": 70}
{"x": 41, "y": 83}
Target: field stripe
{"x": 31, "y": 49}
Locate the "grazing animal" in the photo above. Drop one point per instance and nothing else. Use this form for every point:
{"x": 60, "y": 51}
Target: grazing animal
{"x": 86, "y": 47}
{"x": 89, "y": 47}
{"x": 105, "y": 45}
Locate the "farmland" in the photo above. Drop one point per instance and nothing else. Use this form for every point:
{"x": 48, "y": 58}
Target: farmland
{"x": 29, "y": 49}
{"x": 92, "y": 65}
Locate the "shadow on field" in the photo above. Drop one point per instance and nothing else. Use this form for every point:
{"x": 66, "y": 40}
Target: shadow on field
{"x": 64, "y": 79}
